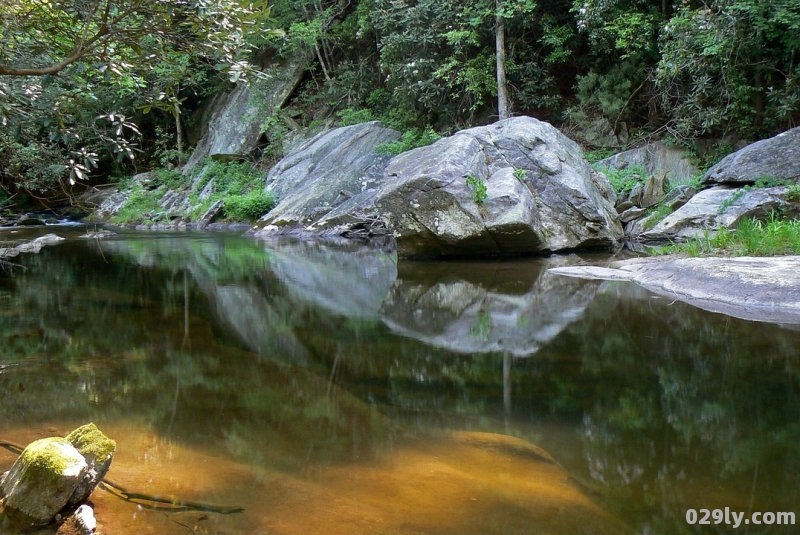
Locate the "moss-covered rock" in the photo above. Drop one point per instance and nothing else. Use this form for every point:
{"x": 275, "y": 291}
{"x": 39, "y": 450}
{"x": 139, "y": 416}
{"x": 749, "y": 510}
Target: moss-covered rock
{"x": 98, "y": 451}
{"x": 42, "y": 480}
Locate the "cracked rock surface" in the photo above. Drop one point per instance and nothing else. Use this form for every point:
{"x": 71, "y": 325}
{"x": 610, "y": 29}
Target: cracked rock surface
{"x": 513, "y": 187}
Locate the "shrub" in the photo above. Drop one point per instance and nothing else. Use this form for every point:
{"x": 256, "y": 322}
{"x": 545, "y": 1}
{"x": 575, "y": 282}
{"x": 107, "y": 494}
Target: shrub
{"x": 142, "y": 206}
{"x": 249, "y": 206}
{"x": 350, "y": 116}
{"x": 623, "y": 180}
{"x": 411, "y": 139}
{"x": 171, "y": 178}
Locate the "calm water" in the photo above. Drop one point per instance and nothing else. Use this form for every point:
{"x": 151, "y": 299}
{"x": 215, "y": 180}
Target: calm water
{"x": 333, "y": 390}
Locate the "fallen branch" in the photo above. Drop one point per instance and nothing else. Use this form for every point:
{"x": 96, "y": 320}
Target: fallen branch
{"x": 173, "y": 504}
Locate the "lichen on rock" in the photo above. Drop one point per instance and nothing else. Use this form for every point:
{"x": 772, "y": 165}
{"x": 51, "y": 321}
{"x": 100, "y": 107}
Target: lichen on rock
{"x": 43, "y": 479}
{"x": 98, "y": 450}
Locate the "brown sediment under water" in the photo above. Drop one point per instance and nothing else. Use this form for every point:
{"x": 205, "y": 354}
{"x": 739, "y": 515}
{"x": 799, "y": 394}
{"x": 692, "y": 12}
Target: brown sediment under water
{"x": 329, "y": 388}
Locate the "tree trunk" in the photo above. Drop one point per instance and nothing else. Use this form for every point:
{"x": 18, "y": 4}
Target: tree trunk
{"x": 178, "y": 128}
{"x": 500, "y": 44}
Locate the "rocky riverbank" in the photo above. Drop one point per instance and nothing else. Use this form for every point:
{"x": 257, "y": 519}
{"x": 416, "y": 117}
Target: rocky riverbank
{"x": 758, "y": 289}
{"x": 515, "y": 187}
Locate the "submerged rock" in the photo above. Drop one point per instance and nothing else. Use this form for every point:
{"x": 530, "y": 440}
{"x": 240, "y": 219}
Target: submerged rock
{"x": 42, "y": 480}
{"x": 776, "y": 158}
{"x": 98, "y": 451}
{"x": 99, "y": 234}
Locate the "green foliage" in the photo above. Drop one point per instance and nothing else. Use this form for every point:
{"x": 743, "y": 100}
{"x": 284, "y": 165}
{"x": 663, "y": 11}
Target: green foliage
{"x": 240, "y": 187}
{"x": 767, "y": 181}
{"x": 438, "y": 58}
{"x": 478, "y": 187}
{"x": 594, "y": 156}
{"x": 624, "y": 180}
{"x": 142, "y": 207}
{"x": 730, "y": 65}
{"x": 727, "y": 203}
{"x": 604, "y": 94}
{"x": 752, "y": 237}
{"x": 520, "y": 173}
{"x": 170, "y": 179}
{"x": 704, "y": 158}
{"x": 74, "y": 77}
{"x": 696, "y": 181}
{"x": 249, "y": 206}
{"x": 411, "y": 139}
{"x": 657, "y": 215}
{"x": 349, "y": 116}
{"x": 793, "y": 193}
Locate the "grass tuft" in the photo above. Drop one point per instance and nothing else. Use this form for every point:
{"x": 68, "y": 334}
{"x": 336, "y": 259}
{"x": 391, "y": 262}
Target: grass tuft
{"x": 752, "y": 237}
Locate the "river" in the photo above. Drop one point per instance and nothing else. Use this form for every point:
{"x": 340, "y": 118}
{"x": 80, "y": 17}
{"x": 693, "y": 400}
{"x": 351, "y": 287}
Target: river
{"x": 329, "y": 388}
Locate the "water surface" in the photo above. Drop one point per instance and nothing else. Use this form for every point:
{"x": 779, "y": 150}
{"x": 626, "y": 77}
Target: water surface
{"x": 328, "y": 388}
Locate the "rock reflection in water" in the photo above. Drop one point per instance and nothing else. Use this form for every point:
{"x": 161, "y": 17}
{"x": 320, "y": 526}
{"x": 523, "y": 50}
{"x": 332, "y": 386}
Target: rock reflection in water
{"x": 135, "y": 346}
{"x": 470, "y": 308}
{"x": 321, "y": 390}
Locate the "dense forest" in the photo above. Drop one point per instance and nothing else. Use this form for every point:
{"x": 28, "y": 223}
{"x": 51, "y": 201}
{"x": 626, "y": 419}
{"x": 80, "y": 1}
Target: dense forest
{"x": 91, "y": 90}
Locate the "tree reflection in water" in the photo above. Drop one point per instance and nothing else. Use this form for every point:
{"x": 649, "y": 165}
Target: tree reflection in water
{"x": 314, "y": 363}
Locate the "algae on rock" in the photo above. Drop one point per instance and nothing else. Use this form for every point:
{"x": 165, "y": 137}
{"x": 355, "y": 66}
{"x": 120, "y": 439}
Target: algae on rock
{"x": 42, "y": 480}
{"x": 98, "y": 451}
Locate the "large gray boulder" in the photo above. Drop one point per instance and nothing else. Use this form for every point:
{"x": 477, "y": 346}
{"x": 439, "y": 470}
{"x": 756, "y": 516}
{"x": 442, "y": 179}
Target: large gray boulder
{"x": 541, "y": 194}
{"x": 324, "y": 172}
{"x": 776, "y": 158}
{"x": 714, "y": 208}
{"x": 42, "y": 480}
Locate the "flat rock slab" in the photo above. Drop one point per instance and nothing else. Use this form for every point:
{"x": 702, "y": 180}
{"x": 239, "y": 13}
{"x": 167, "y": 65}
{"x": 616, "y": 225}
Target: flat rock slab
{"x": 752, "y": 288}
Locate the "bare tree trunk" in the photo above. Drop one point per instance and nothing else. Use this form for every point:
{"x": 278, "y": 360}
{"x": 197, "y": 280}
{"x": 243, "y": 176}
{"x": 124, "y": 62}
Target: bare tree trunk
{"x": 500, "y": 44}
{"x": 178, "y": 128}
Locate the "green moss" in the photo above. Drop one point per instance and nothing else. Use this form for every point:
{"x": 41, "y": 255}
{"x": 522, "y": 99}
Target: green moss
{"x": 91, "y": 442}
{"x": 44, "y": 455}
